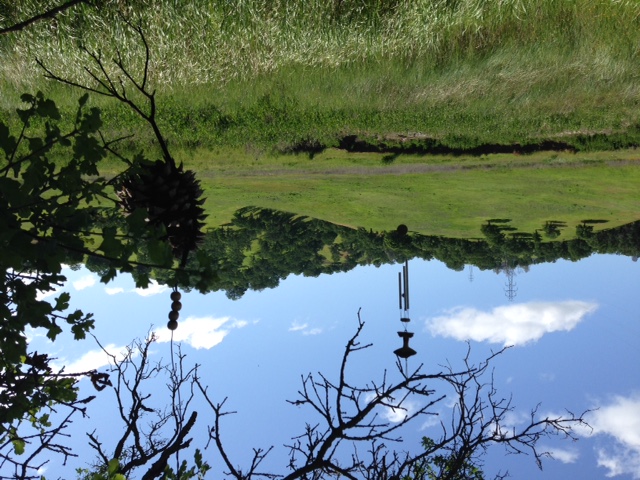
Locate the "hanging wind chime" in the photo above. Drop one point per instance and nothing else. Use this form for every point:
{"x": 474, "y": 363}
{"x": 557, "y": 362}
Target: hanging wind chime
{"x": 405, "y": 351}
{"x": 175, "y": 308}
{"x": 172, "y": 197}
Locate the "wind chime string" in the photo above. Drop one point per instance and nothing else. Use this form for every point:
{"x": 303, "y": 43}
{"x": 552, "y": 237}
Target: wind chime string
{"x": 172, "y": 325}
{"x": 177, "y": 412}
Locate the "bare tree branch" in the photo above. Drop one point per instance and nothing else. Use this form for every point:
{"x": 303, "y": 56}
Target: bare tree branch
{"x": 152, "y": 436}
{"x": 48, "y": 14}
{"x": 45, "y": 433}
{"x": 352, "y": 416}
{"x": 104, "y": 83}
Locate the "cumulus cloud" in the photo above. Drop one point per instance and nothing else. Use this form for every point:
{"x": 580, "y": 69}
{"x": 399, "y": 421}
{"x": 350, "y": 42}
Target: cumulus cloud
{"x": 42, "y": 295}
{"x": 562, "y": 455}
{"x": 304, "y": 328}
{"x": 113, "y": 290}
{"x": 85, "y": 282}
{"x": 512, "y": 324}
{"x": 92, "y": 360}
{"x": 397, "y": 415}
{"x": 203, "y": 332}
{"x": 154, "y": 288}
{"x": 620, "y": 419}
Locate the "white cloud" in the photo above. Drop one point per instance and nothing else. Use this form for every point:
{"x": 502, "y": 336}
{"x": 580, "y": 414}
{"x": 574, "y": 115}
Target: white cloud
{"x": 85, "y": 282}
{"x": 153, "y": 289}
{"x": 297, "y": 326}
{"x": 113, "y": 290}
{"x": 620, "y": 461}
{"x": 203, "y": 332}
{"x": 619, "y": 419}
{"x": 391, "y": 414}
{"x": 562, "y": 455}
{"x": 239, "y": 324}
{"x": 92, "y": 360}
{"x": 512, "y": 324}
{"x": 312, "y": 331}
{"x": 397, "y": 415}
{"x": 42, "y": 295}
{"x": 512, "y": 419}
{"x": 304, "y": 328}
{"x": 32, "y": 333}
{"x": 431, "y": 421}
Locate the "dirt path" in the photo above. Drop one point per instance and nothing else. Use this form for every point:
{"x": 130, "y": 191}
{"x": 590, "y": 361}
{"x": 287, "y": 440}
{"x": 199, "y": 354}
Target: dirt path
{"x": 422, "y": 168}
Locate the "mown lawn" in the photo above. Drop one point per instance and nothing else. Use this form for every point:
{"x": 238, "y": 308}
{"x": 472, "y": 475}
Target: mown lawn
{"x": 434, "y": 195}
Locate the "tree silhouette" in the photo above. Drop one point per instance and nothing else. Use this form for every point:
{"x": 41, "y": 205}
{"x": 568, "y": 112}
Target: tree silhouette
{"x": 347, "y": 434}
{"x": 56, "y": 209}
{"x": 49, "y": 13}
{"x": 259, "y": 247}
{"x": 154, "y": 432}
{"x": 351, "y": 440}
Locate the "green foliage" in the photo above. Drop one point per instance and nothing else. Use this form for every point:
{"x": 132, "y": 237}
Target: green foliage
{"x": 260, "y": 247}
{"x": 197, "y": 471}
{"x": 552, "y": 228}
{"x": 53, "y": 212}
{"x": 109, "y": 473}
{"x": 453, "y": 466}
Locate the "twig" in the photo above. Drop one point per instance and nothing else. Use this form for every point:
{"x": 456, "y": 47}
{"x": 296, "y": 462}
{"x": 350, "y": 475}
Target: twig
{"x": 51, "y": 13}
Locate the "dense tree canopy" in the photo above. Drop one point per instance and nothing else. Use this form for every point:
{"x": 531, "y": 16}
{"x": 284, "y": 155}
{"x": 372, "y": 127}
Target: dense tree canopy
{"x": 56, "y": 209}
{"x": 260, "y": 247}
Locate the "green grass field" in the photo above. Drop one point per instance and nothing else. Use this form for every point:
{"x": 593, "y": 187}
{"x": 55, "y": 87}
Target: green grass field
{"x": 269, "y": 74}
{"x": 239, "y": 82}
{"x": 435, "y": 195}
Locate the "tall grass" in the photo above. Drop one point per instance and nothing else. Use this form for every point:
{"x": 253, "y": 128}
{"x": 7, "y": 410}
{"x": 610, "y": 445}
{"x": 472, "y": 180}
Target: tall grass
{"x": 217, "y": 41}
{"x": 270, "y": 71}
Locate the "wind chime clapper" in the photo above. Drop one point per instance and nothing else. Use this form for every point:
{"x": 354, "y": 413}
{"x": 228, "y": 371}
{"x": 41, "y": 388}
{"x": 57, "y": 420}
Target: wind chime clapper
{"x": 172, "y": 324}
{"x": 405, "y": 351}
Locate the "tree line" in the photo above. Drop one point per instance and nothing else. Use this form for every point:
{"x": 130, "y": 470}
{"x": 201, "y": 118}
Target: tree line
{"x": 260, "y": 247}
{"x": 148, "y": 221}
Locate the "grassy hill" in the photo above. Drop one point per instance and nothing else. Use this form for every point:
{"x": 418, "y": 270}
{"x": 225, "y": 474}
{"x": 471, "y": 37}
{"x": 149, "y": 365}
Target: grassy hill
{"x": 242, "y": 85}
{"x": 265, "y": 74}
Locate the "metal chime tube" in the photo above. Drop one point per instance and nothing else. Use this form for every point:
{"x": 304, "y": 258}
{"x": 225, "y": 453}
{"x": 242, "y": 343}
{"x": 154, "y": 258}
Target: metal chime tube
{"x": 403, "y": 303}
{"x": 405, "y": 269}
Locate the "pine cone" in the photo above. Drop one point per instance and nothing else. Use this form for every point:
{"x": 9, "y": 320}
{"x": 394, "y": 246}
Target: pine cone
{"x": 171, "y": 197}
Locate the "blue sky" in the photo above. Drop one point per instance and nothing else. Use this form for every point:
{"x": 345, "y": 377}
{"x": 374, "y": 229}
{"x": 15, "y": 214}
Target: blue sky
{"x": 575, "y": 328}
